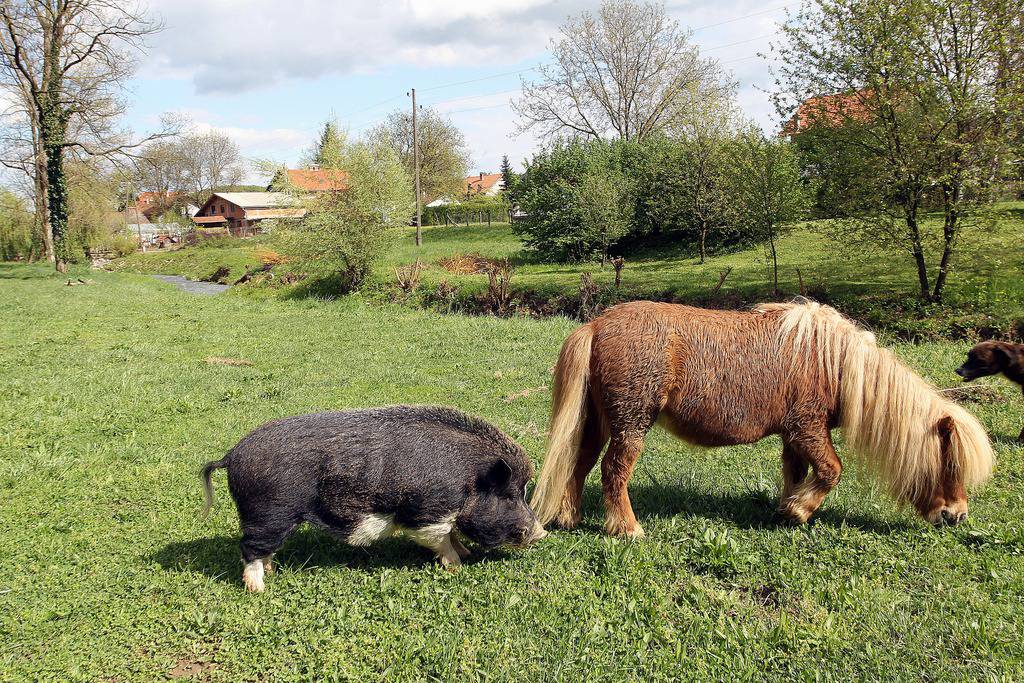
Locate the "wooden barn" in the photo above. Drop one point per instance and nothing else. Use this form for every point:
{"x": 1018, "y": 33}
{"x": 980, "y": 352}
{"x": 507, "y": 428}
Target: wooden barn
{"x": 241, "y": 212}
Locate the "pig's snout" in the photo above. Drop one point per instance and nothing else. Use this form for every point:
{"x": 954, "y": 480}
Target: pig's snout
{"x": 533, "y": 533}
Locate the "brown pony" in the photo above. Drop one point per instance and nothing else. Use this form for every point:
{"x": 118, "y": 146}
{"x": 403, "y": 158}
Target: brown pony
{"x": 720, "y": 378}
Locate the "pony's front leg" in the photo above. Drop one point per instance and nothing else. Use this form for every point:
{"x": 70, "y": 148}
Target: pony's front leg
{"x": 616, "y": 469}
{"x": 812, "y": 446}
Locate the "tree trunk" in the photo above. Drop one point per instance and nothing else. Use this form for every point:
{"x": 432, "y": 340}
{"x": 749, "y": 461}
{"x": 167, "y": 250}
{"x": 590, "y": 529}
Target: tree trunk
{"x": 950, "y": 226}
{"x": 53, "y": 123}
{"x": 39, "y": 200}
{"x": 703, "y": 239}
{"x": 918, "y": 251}
{"x": 53, "y": 129}
{"x": 775, "y": 259}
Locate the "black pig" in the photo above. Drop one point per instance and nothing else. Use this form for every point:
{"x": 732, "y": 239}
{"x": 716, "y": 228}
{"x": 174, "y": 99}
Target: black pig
{"x": 365, "y": 474}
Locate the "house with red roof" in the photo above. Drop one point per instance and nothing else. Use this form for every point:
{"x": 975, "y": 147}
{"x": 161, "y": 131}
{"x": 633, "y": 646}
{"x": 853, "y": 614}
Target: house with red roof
{"x": 310, "y": 180}
{"x": 829, "y": 110}
{"x": 155, "y": 203}
{"x": 487, "y": 184}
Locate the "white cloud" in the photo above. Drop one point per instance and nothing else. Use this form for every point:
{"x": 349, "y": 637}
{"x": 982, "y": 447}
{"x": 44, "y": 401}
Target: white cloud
{"x": 232, "y": 46}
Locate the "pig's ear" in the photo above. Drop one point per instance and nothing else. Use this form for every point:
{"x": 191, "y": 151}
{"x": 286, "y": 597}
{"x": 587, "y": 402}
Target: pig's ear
{"x": 497, "y": 475}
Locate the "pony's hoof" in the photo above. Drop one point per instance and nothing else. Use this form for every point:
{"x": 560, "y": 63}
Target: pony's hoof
{"x": 794, "y": 514}
{"x": 632, "y": 533}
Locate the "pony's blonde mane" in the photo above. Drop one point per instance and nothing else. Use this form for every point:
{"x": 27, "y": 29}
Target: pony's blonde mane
{"x": 889, "y": 415}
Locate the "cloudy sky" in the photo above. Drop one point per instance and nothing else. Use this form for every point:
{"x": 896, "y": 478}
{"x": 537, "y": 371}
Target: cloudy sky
{"x": 269, "y": 73}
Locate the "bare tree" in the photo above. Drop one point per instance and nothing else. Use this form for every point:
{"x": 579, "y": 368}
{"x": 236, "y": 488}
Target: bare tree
{"x": 64, "y": 63}
{"x": 630, "y": 71}
{"x": 210, "y": 160}
{"x": 161, "y": 168}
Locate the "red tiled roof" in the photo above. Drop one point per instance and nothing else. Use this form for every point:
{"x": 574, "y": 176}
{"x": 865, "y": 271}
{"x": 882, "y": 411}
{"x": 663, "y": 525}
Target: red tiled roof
{"x": 481, "y": 182}
{"x": 829, "y": 110}
{"x": 318, "y": 179}
{"x": 147, "y": 198}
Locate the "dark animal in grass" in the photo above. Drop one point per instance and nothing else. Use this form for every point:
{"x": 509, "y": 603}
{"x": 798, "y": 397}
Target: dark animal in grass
{"x": 719, "y": 378}
{"x": 992, "y": 358}
{"x": 430, "y": 473}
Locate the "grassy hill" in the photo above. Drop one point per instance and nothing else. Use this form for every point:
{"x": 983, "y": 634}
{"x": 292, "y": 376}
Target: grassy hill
{"x": 108, "y": 571}
{"x": 986, "y": 290}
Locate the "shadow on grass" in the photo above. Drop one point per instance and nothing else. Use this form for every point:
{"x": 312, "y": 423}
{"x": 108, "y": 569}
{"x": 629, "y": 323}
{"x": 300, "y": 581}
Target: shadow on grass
{"x": 1009, "y": 440}
{"x": 19, "y": 270}
{"x": 745, "y": 509}
{"x": 219, "y": 557}
{"x": 326, "y": 287}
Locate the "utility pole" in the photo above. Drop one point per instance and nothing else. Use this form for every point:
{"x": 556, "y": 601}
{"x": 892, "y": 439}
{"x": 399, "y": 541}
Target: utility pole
{"x": 416, "y": 165}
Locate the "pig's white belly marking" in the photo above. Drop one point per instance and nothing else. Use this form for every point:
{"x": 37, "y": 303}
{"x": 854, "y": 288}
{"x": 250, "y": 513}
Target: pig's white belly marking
{"x": 432, "y": 535}
{"x": 372, "y": 527}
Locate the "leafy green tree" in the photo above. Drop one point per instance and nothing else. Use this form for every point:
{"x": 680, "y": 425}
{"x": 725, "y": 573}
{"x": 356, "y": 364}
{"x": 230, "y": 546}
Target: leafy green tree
{"x": 508, "y": 176}
{"x": 443, "y": 154}
{"x": 577, "y": 200}
{"x": 328, "y": 149}
{"x": 600, "y": 199}
{"x": 704, "y": 171}
{"x": 16, "y": 227}
{"x": 767, "y": 188}
{"x": 922, "y": 101}
{"x": 344, "y": 233}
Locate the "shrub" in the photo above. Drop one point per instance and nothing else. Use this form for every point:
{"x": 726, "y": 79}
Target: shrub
{"x": 587, "y": 199}
{"x": 119, "y": 243}
{"x": 344, "y": 233}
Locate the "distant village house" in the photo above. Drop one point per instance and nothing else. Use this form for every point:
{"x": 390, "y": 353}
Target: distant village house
{"x": 240, "y": 213}
{"x": 481, "y": 184}
{"x": 487, "y": 184}
{"x": 309, "y": 180}
{"x": 152, "y": 204}
{"x": 829, "y": 111}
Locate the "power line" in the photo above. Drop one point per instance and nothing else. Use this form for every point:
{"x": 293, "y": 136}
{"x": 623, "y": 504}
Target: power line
{"x": 473, "y": 97}
{"x": 740, "y": 42}
{"x": 477, "y": 80}
{"x": 491, "y": 106}
{"x": 735, "y": 19}
{"x": 372, "y": 106}
{"x": 741, "y": 59}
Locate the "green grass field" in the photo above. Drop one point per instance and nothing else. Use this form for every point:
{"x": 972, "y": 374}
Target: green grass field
{"x": 107, "y": 571}
{"x": 986, "y": 289}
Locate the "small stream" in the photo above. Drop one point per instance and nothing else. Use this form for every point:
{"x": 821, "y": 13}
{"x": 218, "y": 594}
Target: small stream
{"x": 193, "y": 286}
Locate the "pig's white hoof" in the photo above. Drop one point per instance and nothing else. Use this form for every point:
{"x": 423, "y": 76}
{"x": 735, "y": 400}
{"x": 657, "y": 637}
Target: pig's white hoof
{"x": 252, "y": 576}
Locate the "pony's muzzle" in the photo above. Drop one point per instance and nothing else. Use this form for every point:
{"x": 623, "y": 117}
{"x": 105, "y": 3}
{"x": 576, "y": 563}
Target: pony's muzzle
{"x": 947, "y": 517}
{"x": 951, "y": 518}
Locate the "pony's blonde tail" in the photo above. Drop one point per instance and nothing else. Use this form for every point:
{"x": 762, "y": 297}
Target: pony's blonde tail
{"x": 568, "y": 413}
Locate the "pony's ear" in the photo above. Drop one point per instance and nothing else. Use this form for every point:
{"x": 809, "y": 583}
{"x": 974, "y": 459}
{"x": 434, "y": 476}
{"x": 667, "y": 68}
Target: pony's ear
{"x": 946, "y": 427}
